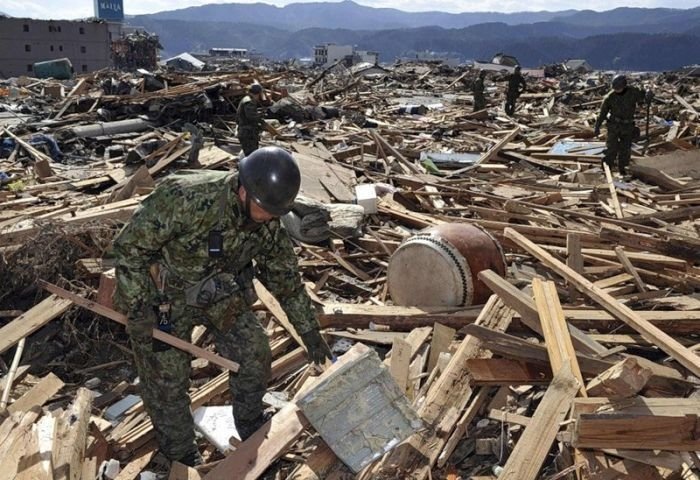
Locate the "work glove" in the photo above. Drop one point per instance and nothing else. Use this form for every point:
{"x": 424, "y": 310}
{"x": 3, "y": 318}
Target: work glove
{"x": 648, "y": 96}
{"x": 316, "y": 346}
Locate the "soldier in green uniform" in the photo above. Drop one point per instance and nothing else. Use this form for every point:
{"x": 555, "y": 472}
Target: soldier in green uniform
{"x": 618, "y": 110}
{"x": 516, "y": 87}
{"x": 210, "y": 232}
{"x": 478, "y": 92}
{"x": 250, "y": 119}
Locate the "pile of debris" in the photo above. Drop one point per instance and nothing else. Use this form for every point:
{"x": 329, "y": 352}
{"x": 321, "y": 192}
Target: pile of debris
{"x": 578, "y": 359}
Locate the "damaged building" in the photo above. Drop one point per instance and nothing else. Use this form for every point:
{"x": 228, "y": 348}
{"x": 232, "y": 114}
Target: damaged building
{"x": 26, "y": 41}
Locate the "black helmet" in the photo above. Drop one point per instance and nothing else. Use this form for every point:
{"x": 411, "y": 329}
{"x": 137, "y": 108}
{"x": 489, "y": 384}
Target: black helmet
{"x": 271, "y": 179}
{"x": 255, "y": 88}
{"x": 619, "y": 82}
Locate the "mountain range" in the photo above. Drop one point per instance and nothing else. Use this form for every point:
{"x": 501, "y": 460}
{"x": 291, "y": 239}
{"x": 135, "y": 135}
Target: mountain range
{"x": 623, "y": 38}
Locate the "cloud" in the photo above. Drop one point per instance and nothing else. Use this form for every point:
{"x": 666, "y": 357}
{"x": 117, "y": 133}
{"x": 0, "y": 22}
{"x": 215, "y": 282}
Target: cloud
{"x": 84, "y": 8}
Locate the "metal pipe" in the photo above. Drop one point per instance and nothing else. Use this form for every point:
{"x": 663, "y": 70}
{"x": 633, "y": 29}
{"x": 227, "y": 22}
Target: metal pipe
{"x": 10, "y": 377}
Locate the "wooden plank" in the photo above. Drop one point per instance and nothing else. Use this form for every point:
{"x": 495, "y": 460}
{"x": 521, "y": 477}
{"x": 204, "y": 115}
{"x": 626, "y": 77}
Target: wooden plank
{"x": 624, "y": 379}
{"x": 661, "y": 383}
{"x": 460, "y": 430}
{"x": 636, "y": 432}
{"x": 38, "y": 395}
{"x": 668, "y": 460}
{"x": 113, "y": 212}
{"x": 274, "y": 307}
{"x": 513, "y": 347}
{"x": 162, "y": 336}
{"x": 574, "y": 259}
{"x": 441, "y": 341}
{"x": 32, "y": 320}
{"x": 178, "y": 471}
{"x": 133, "y": 469}
{"x": 677, "y": 322}
{"x": 525, "y": 306}
{"x": 556, "y": 334}
{"x": 504, "y": 372}
{"x": 400, "y": 362}
{"x": 490, "y": 154}
{"x": 140, "y": 179}
{"x": 686, "y": 104}
{"x": 399, "y": 319}
{"x": 71, "y": 437}
{"x": 613, "y": 192}
{"x": 629, "y": 268}
{"x": 531, "y": 450}
{"x": 441, "y": 409}
{"x": 668, "y": 407}
{"x": 319, "y": 465}
{"x": 650, "y": 332}
{"x": 256, "y": 454}
{"x": 508, "y": 417}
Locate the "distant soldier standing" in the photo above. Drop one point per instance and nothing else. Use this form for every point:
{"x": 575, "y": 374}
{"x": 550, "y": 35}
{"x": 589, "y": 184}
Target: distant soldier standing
{"x": 618, "y": 110}
{"x": 250, "y": 119}
{"x": 478, "y": 92}
{"x": 516, "y": 87}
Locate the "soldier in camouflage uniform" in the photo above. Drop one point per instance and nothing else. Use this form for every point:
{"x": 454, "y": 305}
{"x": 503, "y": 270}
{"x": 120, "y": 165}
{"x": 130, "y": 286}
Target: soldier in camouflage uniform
{"x": 250, "y": 120}
{"x": 204, "y": 229}
{"x": 618, "y": 110}
{"x": 478, "y": 92}
{"x": 516, "y": 87}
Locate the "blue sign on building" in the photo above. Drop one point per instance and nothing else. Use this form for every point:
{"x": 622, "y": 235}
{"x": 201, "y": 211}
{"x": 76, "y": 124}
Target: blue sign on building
{"x": 110, "y": 10}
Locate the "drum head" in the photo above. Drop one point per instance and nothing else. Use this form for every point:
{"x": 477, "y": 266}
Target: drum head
{"x": 426, "y": 272}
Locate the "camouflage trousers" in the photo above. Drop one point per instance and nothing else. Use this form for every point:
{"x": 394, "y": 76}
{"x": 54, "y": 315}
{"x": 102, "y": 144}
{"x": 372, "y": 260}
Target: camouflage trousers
{"x": 165, "y": 376}
{"x": 511, "y": 98}
{"x": 249, "y": 139}
{"x": 479, "y": 102}
{"x": 618, "y": 146}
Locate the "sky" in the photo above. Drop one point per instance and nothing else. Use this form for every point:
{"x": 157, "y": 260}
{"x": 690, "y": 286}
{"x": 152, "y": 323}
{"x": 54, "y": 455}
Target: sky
{"x": 84, "y": 8}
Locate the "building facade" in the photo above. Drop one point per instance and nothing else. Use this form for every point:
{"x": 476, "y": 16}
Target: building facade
{"x": 25, "y": 41}
{"x": 366, "y": 56}
{"x": 229, "y": 52}
{"x": 330, "y": 53}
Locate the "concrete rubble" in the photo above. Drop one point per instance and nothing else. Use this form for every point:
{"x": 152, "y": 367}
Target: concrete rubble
{"x": 581, "y": 364}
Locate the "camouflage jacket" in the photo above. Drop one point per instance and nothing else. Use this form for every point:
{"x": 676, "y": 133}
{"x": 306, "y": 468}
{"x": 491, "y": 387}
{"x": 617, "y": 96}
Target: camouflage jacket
{"x": 172, "y": 227}
{"x": 249, "y": 117}
{"x": 478, "y": 87}
{"x": 620, "y": 106}
{"x": 516, "y": 84}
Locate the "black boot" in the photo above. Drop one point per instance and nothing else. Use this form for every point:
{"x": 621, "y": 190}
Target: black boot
{"x": 192, "y": 460}
{"x": 248, "y": 427}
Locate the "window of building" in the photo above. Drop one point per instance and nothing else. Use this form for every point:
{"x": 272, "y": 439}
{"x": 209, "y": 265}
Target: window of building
{"x": 60, "y": 48}
{"x": 83, "y": 50}
{"x": 52, "y": 48}
{"x": 27, "y": 48}
{"x": 51, "y": 28}
{"x": 59, "y": 28}
{"x": 82, "y": 30}
{"x": 84, "y": 68}
{"x": 29, "y": 67}
{"x": 25, "y": 27}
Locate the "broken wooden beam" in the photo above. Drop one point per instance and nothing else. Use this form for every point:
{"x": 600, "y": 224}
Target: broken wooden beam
{"x": 531, "y": 450}
{"x": 651, "y": 333}
{"x": 157, "y": 334}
